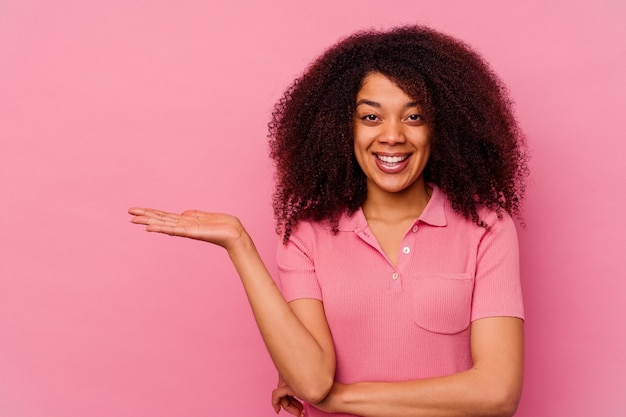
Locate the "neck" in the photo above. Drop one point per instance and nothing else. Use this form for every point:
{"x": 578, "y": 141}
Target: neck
{"x": 409, "y": 203}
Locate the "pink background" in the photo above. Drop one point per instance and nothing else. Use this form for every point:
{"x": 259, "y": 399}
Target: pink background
{"x": 108, "y": 104}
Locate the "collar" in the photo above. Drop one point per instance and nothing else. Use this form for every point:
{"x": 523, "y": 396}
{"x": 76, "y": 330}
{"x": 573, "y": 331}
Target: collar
{"x": 433, "y": 214}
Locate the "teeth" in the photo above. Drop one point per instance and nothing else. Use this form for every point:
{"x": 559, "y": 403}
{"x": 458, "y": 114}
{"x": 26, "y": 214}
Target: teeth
{"x": 392, "y": 159}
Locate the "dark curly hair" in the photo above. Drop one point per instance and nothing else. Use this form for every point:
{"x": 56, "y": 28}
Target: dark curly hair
{"x": 477, "y": 154}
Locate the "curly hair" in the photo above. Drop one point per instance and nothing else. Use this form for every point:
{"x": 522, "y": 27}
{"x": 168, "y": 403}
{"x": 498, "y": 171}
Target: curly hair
{"x": 477, "y": 149}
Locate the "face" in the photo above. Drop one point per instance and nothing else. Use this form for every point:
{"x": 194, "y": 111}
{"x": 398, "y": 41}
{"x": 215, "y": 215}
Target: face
{"x": 391, "y": 137}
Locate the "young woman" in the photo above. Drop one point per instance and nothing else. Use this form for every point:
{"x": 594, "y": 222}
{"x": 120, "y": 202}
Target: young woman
{"x": 399, "y": 164}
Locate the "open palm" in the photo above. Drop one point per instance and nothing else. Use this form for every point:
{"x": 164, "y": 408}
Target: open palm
{"x": 217, "y": 228}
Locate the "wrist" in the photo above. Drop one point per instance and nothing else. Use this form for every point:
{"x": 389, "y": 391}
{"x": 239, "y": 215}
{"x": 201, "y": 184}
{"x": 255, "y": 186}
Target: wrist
{"x": 352, "y": 398}
{"x": 240, "y": 245}
{"x": 346, "y": 395}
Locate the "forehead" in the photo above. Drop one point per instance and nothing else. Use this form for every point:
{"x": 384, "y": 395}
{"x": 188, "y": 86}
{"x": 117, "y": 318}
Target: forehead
{"x": 380, "y": 88}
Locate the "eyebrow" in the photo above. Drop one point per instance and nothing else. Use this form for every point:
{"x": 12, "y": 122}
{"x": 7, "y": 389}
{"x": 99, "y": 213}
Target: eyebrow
{"x": 377, "y": 105}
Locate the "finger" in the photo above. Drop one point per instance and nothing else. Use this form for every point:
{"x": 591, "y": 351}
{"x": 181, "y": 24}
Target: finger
{"x": 144, "y": 211}
{"x": 286, "y": 405}
{"x": 147, "y": 220}
{"x": 162, "y": 215}
{"x": 276, "y": 402}
{"x": 152, "y": 213}
{"x": 282, "y": 397}
{"x": 279, "y": 395}
{"x": 292, "y": 406}
{"x": 152, "y": 216}
{"x": 171, "y": 230}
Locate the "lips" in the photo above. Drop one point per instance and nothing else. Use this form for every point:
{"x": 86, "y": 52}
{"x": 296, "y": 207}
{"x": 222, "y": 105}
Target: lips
{"x": 392, "y": 163}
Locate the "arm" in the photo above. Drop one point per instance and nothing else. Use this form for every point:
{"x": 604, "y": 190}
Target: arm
{"x": 492, "y": 387}
{"x": 297, "y": 337}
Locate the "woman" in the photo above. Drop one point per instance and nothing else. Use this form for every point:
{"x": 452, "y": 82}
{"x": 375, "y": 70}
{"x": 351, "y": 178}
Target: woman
{"x": 399, "y": 163}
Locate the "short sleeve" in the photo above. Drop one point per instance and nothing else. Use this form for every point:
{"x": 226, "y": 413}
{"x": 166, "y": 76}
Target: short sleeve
{"x": 497, "y": 288}
{"x": 296, "y": 265}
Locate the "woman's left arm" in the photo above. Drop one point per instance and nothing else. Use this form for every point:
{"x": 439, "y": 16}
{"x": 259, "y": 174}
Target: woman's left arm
{"x": 492, "y": 387}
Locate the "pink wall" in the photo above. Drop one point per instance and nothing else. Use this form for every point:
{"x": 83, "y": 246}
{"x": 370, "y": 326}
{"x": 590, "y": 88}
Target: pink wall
{"x": 108, "y": 104}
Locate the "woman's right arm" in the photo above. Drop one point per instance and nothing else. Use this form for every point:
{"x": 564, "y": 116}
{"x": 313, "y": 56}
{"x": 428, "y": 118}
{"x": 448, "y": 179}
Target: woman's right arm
{"x": 296, "y": 334}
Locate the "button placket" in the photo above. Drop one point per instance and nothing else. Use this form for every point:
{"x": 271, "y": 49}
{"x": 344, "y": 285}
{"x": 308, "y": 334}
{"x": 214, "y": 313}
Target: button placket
{"x": 395, "y": 283}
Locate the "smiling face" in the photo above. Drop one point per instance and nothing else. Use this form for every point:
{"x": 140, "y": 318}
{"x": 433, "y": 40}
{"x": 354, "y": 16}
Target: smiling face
{"x": 391, "y": 137}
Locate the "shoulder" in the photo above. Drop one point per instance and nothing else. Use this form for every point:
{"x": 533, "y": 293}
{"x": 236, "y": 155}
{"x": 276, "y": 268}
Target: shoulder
{"x": 346, "y": 222}
{"x": 304, "y": 238}
{"x": 489, "y": 217}
{"x": 496, "y": 225}
{"x": 314, "y": 237}
{"x": 497, "y": 221}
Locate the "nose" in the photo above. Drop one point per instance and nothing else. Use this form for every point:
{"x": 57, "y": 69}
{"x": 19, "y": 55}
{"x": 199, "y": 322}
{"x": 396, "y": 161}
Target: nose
{"x": 392, "y": 132}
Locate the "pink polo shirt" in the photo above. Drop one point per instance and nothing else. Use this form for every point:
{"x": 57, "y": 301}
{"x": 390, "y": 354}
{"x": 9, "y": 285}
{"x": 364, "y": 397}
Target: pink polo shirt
{"x": 411, "y": 321}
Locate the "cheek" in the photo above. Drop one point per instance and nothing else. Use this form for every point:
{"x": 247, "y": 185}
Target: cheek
{"x": 423, "y": 141}
{"x": 360, "y": 142}
{"x": 360, "y": 153}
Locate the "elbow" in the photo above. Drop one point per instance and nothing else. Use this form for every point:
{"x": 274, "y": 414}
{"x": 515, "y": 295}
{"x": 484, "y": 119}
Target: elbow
{"x": 504, "y": 404}
{"x": 315, "y": 391}
{"x": 507, "y": 409}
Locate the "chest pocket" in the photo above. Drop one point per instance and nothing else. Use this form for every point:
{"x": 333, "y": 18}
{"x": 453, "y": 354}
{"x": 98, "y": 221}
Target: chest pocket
{"x": 442, "y": 303}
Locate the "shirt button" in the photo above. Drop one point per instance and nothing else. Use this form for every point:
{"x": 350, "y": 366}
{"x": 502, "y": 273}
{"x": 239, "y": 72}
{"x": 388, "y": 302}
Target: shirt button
{"x": 414, "y": 229}
{"x": 394, "y": 276}
{"x": 406, "y": 250}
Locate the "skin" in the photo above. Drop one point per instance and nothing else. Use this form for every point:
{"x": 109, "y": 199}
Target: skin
{"x": 387, "y": 124}
{"x": 296, "y": 334}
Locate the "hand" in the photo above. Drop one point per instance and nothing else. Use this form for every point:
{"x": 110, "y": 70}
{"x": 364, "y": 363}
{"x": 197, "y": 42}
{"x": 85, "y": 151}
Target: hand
{"x": 282, "y": 397}
{"x": 221, "y": 229}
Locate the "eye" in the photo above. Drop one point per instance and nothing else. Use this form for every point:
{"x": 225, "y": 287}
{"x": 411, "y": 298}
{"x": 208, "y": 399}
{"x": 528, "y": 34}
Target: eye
{"x": 369, "y": 119}
{"x": 415, "y": 119}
